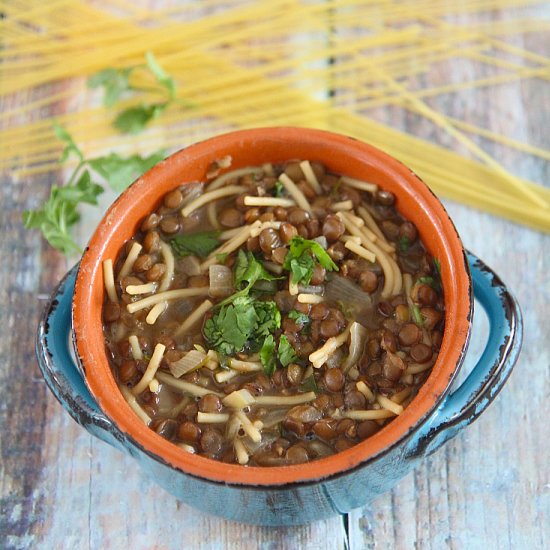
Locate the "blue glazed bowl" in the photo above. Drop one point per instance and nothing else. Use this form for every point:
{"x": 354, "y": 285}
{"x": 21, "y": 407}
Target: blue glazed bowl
{"x": 334, "y": 485}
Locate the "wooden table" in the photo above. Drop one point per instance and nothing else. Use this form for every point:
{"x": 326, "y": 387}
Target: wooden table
{"x": 489, "y": 488}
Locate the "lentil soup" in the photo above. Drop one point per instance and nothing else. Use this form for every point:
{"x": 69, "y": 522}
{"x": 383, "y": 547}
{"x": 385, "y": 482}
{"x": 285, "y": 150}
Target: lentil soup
{"x": 272, "y": 315}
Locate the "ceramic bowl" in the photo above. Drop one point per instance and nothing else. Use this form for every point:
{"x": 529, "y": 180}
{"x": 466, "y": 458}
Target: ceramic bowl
{"x": 299, "y": 493}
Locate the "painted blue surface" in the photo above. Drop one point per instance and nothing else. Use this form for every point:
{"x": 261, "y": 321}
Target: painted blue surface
{"x": 297, "y": 503}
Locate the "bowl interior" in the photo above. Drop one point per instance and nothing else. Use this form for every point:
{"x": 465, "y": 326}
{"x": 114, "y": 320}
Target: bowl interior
{"x": 340, "y": 154}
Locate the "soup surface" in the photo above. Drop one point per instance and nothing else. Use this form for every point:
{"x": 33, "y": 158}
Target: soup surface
{"x": 272, "y": 315}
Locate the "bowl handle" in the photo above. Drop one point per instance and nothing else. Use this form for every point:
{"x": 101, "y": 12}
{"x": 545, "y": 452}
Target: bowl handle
{"x": 464, "y": 404}
{"x": 59, "y": 368}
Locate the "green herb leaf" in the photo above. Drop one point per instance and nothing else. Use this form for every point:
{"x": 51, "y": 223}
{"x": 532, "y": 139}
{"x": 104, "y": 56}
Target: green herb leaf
{"x": 302, "y": 269}
{"x": 437, "y": 267}
{"x": 267, "y": 355}
{"x": 299, "y": 318}
{"x": 269, "y": 317}
{"x": 245, "y": 322}
{"x": 285, "y": 352}
{"x": 404, "y": 243}
{"x": 134, "y": 119}
{"x": 300, "y": 262}
{"x": 309, "y": 384}
{"x": 430, "y": 281}
{"x": 163, "y": 78}
{"x": 59, "y": 213}
{"x": 195, "y": 244}
{"x": 249, "y": 270}
{"x": 71, "y": 147}
{"x": 278, "y": 189}
{"x": 417, "y": 315}
{"x": 120, "y": 172}
{"x": 115, "y": 83}
{"x": 221, "y": 257}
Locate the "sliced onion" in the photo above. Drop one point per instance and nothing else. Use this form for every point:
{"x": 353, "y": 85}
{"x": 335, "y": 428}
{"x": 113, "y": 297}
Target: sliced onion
{"x": 311, "y": 289}
{"x": 191, "y": 361}
{"x": 322, "y": 240}
{"x": 341, "y": 288}
{"x": 274, "y": 417}
{"x": 191, "y": 192}
{"x": 190, "y": 265}
{"x": 319, "y": 448}
{"x": 221, "y": 281}
{"x": 358, "y": 338}
{"x": 254, "y": 446}
{"x": 335, "y": 360}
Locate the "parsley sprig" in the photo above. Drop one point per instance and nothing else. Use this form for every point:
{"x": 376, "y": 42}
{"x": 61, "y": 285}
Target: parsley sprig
{"x": 58, "y": 215}
{"x": 117, "y": 83}
{"x": 300, "y": 259}
{"x": 244, "y": 322}
{"x": 197, "y": 244}
{"x": 247, "y": 271}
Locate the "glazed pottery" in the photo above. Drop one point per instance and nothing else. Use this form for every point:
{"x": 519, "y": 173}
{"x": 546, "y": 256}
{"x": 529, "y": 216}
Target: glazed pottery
{"x": 84, "y": 384}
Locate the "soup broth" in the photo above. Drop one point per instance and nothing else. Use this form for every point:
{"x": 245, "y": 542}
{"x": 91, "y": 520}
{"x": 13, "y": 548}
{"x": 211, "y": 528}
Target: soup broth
{"x": 272, "y": 315}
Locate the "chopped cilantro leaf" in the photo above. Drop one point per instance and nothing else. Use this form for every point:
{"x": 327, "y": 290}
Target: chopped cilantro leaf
{"x": 70, "y": 145}
{"x": 166, "y": 81}
{"x": 59, "y": 213}
{"x": 285, "y": 352}
{"x": 299, "y": 259}
{"x": 278, "y": 189}
{"x": 267, "y": 355}
{"x": 302, "y": 269}
{"x": 115, "y": 83}
{"x": 269, "y": 317}
{"x": 134, "y": 119}
{"x": 299, "y": 318}
{"x": 437, "y": 267}
{"x": 120, "y": 172}
{"x": 249, "y": 270}
{"x": 416, "y": 315}
{"x": 404, "y": 243}
{"x": 221, "y": 257}
{"x": 244, "y": 323}
{"x": 430, "y": 281}
{"x": 197, "y": 244}
{"x": 309, "y": 384}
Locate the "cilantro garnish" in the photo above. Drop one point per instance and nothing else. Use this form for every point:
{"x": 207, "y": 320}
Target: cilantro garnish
{"x": 299, "y": 318}
{"x": 267, "y": 355}
{"x": 285, "y": 352}
{"x": 309, "y": 384}
{"x": 437, "y": 267}
{"x": 116, "y": 83}
{"x": 404, "y": 243}
{"x": 248, "y": 271}
{"x": 435, "y": 280}
{"x": 278, "y": 189}
{"x": 242, "y": 321}
{"x": 243, "y": 324}
{"x": 119, "y": 172}
{"x": 417, "y": 315}
{"x": 195, "y": 244}
{"x": 300, "y": 262}
{"x": 59, "y": 213}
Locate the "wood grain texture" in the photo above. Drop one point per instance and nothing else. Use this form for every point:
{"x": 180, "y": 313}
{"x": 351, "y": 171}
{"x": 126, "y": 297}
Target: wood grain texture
{"x": 488, "y": 488}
